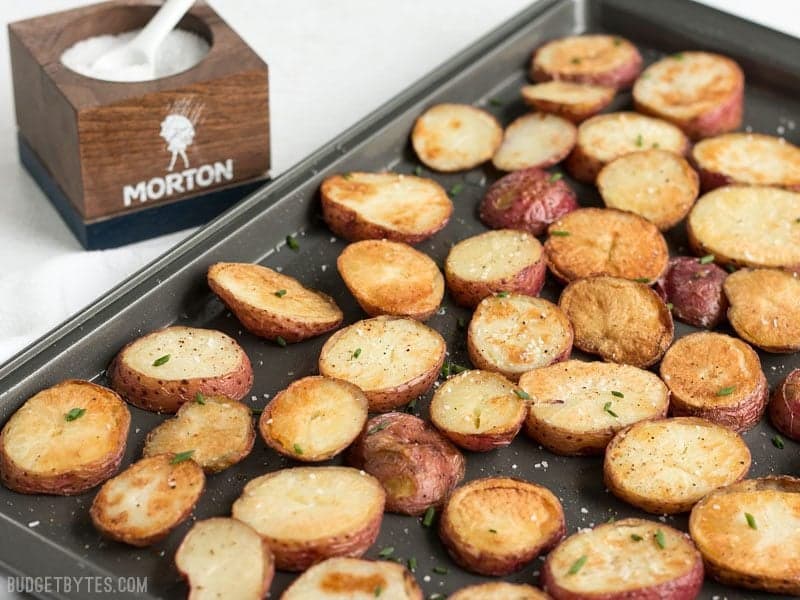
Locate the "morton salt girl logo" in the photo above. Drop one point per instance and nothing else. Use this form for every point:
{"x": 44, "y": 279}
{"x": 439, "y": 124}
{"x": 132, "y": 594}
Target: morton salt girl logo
{"x": 178, "y": 130}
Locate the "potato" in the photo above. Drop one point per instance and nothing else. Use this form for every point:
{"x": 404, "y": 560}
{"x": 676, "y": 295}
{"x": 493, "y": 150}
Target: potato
{"x": 225, "y": 558}
{"x": 391, "y": 278}
{"x": 455, "y": 137}
{"x": 141, "y": 505}
{"x": 535, "y": 140}
{"x": 694, "y": 288}
{"x": 749, "y": 159}
{"x": 496, "y": 261}
{"x": 497, "y": 525}
{"x": 606, "y": 137}
{"x": 604, "y": 241}
{"x": 700, "y": 92}
{"x": 576, "y": 407}
{"x": 630, "y": 558}
{"x": 573, "y": 101}
{"x": 499, "y": 590}
{"x": 655, "y": 184}
{"x": 765, "y": 308}
{"x": 314, "y": 419}
{"x": 529, "y": 200}
{"x": 314, "y": 513}
{"x": 715, "y": 377}
{"x": 64, "y": 440}
{"x": 667, "y": 466}
{"x": 272, "y": 305}
{"x": 785, "y": 406}
{"x": 218, "y": 431}
{"x": 355, "y": 579}
{"x": 595, "y": 59}
{"x": 513, "y": 333}
{"x": 416, "y": 465}
{"x": 374, "y": 206}
{"x": 358, "y": 354}
{"x": 746, "y": 533}
{"x": 620, "y": 320}
{"x": 734, "y": 225}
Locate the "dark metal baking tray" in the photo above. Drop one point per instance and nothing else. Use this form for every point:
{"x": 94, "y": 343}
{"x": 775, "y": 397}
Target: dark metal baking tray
{"x": 173, "y": 290}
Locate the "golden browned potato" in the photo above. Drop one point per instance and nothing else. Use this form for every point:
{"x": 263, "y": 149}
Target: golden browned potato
{"x": 499, "y": 590}
{"x": 313, "y": 513}
{"x": 716, "y": 377}
{"x": 64, "y": 440}
{"x": 273, "y": 305}
{"x": 391, "y": 278}
{"x": 393, "y": 206}
{"x": 225, "y": 558}
{"x": 497, "y": 525}
{"x": 141, "y": 505}
{"x": 535, "y": 140}
{"x": 573, "y": 101}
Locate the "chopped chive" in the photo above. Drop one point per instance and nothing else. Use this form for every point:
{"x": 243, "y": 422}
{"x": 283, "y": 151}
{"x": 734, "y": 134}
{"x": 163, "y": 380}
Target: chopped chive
{"x": 412, "y": 564}
{"x": 386, "y": 552}
{"x": 495, "y": 102}
{"x": 617, "y": 394}
{"x": 797, "y": 220}
{"x": 280, "y": 293}
{"x": 427, "y": 520}
{"x": 492, "y": 530}
{"x": 378, "y": 427}
{"x": 257, "y": 411}
{"x": 655, "y": 145}
{"x": 522, "y": 394}
{"x": 356, "y": 354}
{"x": 161, "y": 360}
{"x": 346, "y": 176}
{"x": 74, "y": 413}
{"x": 456, "y": 369}
{"x": 678, "y": 56}
{"x": 611, "y": 520}
{"x": 617, "y": 42}
{"x": 378, "y": 591}
{"x": 418, "y": 171}
{"x": 708, "y": 258}
{"x": 559, "y": 233}
{"x": 577, "y": 565}
{"x": 292, "y": 243}
{"x": 639, "y": 140}
{"x": 411, "y": 406}
{"x": 670, "y": 305}
{"x": 636, "y": 537}
{"x": 456, "y": 189}
{"x": 661, "y": 541}
{"x": 280, "y": 341}
{"x": 642, "y": 280}
{"x": 445, "y": 370}
{"x": 751, "y": 521}
{"x": 502, "y": 294}
{"x": 199, "y": 398}
{"x": 440, "y": 570}
{"x": 730, "y": 268}
{"x": 436, "y": 596}
{"x": 555, "y": 177}
{"x": 461, "y": 323}
{"x": 298, "y": 449}
{"x": 607, "y": 408}
{"x": 181, "y": 456}
{"x": 576, "y": 61}
{"x": 777, "y": 441}
{"x": 726, "y": 391}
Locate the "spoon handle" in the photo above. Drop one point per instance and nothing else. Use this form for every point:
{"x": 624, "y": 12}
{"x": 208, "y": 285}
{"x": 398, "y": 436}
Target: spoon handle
{"x": 161, "y": 24}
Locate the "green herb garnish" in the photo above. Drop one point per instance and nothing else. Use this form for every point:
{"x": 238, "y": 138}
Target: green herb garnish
{"x": 730, "y": 268}
{"x": 639, "y": 140}
{"x": 356, "y": 354}
{"x": 199, "y": 398}
{"x": 559, "y": 233}
{"x": 298, "y": 449}
{"x": 577, "y": 565}
{"x": 378, "y": 591}
{"x": 617, "y": 42}
{"x": 280, "y": 293}
{"x": 522, "y": 394}
{"x": 678, "y": 56}
{"x": 576, "y": 61}
{"x": 378, "y": 427}
{"x": 427, "y": 520}
{"x": 386, "y": 552}
{"x": 292, "y": 243}
{"x": 607, "y": 408}
{"x": 617, "y": 394}
{"x": 751, "y": 521}
{"x": 74, "y": 413}
{"x": 418, "y": 171}
{"x": 181, "y": 456}
{"x": 670, "y": 305}
{"x": 456, "y": 369}
{"x": 636, "y": 537}
{"x": 257, "y": 411}
{"x": 280, "y": 341}
{"x": 492, "y": 530}
{"x": 555, "y": 177}
{"x": 495, "y": 102}
{"x": 411, "y": 406}
{"x": 346, "y": 176}
{"x": 456, "y": 189}
{"x": 708, "y": 258}
{"x": 726, "y": 391}
{"x": 777, "y": 441}
{"x": 161, "y": 360}
{"x": 461, "y": 323}
{"x": 440, "y": 570}
{"x": 503, "y": 294}
{"x": 445, "y": 370}
{"x": 412, "y": 564}
{"x": 661, "y": 541}
{"x": 436, "y": 596}
{"x": 642, "y": 280}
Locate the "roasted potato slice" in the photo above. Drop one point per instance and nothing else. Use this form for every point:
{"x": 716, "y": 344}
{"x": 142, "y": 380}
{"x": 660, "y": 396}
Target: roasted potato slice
{"x": 391, "y": 278}
{"x": 716, "y": 377}
{"x": 358, "y": 354}
{"x": 217, "y": 430}
{"x": 765, "y": 308}
{"x": 355, "y": 579}
{"x": 655, "y": 184}
{"x": 496, "y": 261}
{"x": 416, "y": 465}
{"x": 630, "y": 558}
{"x": 225, "y": 558}
{"x": 746, "y": 533}
{"x": 605, "y": 241}
{"x": 784, "y": 408}
{"x": 314, "y": 419}
{"x": 514, "y": 333}
{"x": 374, "y": 206}
{"x": 273, "y": 305}
{"x": 747, "y": 226}
{"x": 535, "y": 140}
{"x": 667, "y": 466}
{"x": 496, "y": 525}
{"x": 455, "y": 137}
{"x": 694, "y": 288}
{"x": 573, "y": 101}
{"x": 141, "y": 505}
{"x": 499, "y": 590}
{"x": 314, "y": 513}
{"x": 620, "y": 320}
{"x": 576, "y": 407}
{"x": 700, "y": 92}
{"x": 64, "y": 440}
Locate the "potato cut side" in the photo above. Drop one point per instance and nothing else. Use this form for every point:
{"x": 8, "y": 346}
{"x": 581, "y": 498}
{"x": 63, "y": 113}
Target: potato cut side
{"x": 747, "y": 533}
{"x": 478, "y": 410}
{"x": 402, "y": 208}
{"x": 576, "y": 407}
{"x": 273, "y": 305}
{"x": 455, "y": 137}
{"x": 655, "y": 184}
{"x": 355, "y": 579}
{"x": 513, "y": 333}
{"x": 630, "y": 558}
{"x": 496, "y": 525}
{"x": 667, "y": 466}
{"x": 535, "y": 140}
{"x": 217, "y": 431}
{"x": 499, "y": 590}
{"x": 141, "y": 505}
{"x": 225, "y": 558}
{"x": 765, "y": 308}
{"x": 391, "y": 278}
{"x": 716, "y": 377}
{"x": 620, "y": 320}
{"x": 314, "y": 419}
{"x": 604, "y": 241}
{"x": 747, "y": 226}
{"x": 392, "y": 359}
{"x": 314, "y": 513}
{"x": 573, "y": 101}
{"x": 64, "y": 440}
{"x": 495, "y": 261}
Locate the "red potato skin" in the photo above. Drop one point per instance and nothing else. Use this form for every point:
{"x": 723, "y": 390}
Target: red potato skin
{"x": 529, "y": 281}
{"x": 695, "y": 291}
{"x": 740, "y": 418}
{"x": 784, "y": 408}
{"x": 620, "y": 78}
{"x": 711, "y": 180}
